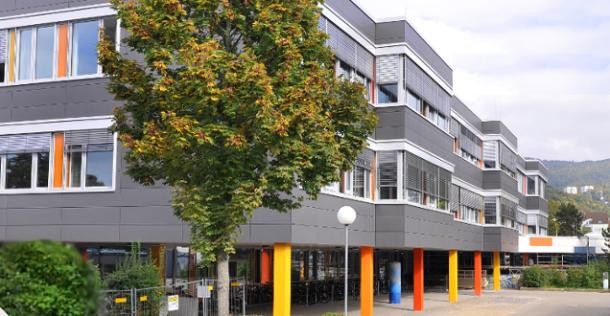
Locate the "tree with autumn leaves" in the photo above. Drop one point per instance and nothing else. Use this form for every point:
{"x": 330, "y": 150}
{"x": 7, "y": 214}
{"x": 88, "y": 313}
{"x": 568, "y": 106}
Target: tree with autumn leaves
{"x": 234, "y": 105}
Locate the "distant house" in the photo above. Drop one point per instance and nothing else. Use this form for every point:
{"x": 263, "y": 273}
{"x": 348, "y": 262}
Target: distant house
{"x": 596, "y": 222}
{"x": 586, "y": 188}
{"x": 570, "y": 190}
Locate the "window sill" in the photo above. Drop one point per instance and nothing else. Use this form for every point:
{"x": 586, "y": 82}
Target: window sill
{"x": 53, "y": 80}
{"x": 56, "y": 191}
{"x": 347, "y": 196}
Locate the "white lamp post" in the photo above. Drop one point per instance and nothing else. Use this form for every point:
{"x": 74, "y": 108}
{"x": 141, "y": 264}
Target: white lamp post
{"x": 346, "y": 216}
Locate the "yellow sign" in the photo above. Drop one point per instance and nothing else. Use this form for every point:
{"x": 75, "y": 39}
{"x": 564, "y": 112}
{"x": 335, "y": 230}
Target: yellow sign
{"x": 173, "y": 303}
{"x": 210, "y": 287}
{"x": 120, "y": 300}
{"x": 143, "y": 298}
{"x": 235, "y": 284}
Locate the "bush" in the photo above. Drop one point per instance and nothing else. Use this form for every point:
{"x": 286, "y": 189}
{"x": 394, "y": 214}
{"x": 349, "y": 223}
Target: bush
{"x": 555, "y": 278}
{"x": 533, "y": 277}
{"x": 576, "y": 278}
{"x": 133, "y": 272}
{"x": 47, "y": 278}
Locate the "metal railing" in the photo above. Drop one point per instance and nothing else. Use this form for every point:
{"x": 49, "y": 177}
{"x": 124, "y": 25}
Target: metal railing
{"x": 195, "y": 298}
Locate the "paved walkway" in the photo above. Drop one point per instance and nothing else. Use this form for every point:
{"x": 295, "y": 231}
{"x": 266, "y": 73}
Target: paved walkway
{"x": 503, "y": 303}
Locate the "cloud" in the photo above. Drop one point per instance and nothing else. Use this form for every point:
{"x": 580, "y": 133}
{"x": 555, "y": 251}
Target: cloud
{"x": 542, "y": 66}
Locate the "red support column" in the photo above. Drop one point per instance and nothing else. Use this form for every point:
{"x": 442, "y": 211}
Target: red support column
{"x": 477, "y": 273}
{"x": 265, "y": 266}
{"x": 418, "y": 279}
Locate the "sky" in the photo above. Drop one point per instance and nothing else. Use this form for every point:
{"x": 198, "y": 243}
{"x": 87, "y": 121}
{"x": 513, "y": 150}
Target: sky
{"x": 541, "y": 66}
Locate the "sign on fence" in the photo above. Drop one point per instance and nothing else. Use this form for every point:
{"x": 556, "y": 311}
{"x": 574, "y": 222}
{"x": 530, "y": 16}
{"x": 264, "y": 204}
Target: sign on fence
{"x": 173, "y": 303}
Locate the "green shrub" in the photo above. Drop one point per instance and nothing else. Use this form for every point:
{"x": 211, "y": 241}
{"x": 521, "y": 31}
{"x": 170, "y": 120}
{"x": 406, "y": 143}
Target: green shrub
{"x": 555, "y": 278}
{"x": 533, "y": 277}
{"x": 47, "y": 278}
{"x": 133, "y": 272}
{"x": 576, "y": 278}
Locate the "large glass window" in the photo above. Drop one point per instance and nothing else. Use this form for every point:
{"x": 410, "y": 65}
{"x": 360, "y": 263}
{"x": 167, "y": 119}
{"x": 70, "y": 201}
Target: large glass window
{"x": 99, "y": 166}
{"x": 42, "y": 165}
{"x": 414, "y": 102}
{"x": 25, "y": 54}
{"x": 75, "y": 165}
{"x": 531, "y": 185}
{"x": 3, "y": 54}
{"x": 388, "y": 181}
{"x": 19, "y": 171}
{"x": 361, "y": 182}
{"x": 45, "y": 49}
{"x": 388, "y": 93}
{"x": 344, "y": 71}
{"x": 84, "y": 47}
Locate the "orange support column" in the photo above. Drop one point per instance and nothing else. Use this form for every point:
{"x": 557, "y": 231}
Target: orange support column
{"x": 366, "y": 281}
{"x": 477, "y": 273}
{"x": 62, "y": 50}
{"x": 265, "y": 266}
{"x": 526, "y": 259}
{"x": 58, "y": 160}
{"x": 418, "y": 279}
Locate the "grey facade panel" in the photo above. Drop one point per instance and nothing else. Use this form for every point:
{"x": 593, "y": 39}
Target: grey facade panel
{"x": 537, "y": 203}
{"x": 406, "y": 226}
{"x": 501, "y": 239}
{"x": 458, "y": 106}
{"x": 16, "y": 7}
{"x": 468, "y": 172}
{"x": 536, "y": 165}
{"x": 355, "y": 16}
{"x": 497, "y": 127}
{"x": 497, "y": 179}
{"x": 55, "y": 100}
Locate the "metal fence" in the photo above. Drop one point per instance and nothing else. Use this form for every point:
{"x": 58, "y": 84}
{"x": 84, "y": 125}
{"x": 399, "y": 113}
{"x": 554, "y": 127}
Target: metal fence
{"x": 195, "y": 298}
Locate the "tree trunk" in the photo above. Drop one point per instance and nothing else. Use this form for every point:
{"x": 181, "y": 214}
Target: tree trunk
{"x": 222, "y": 271}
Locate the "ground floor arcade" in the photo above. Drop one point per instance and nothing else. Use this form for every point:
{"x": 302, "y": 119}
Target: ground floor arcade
{"x": 281, "y": 276}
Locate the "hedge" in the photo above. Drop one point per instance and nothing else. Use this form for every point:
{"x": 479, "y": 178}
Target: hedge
{"x": 586, "y": 277}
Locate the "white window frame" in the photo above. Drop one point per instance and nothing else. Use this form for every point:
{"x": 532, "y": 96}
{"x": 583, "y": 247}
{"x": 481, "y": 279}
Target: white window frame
{"x": 33, "y": 176}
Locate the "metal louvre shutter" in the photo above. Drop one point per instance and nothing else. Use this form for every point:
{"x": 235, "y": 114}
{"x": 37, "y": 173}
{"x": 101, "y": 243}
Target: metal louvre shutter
{"x": 468, "y": 144}
{"x": 414, "y": 77}
{"x": 455, "y": 128}
{"x": 430, "y": 178}
{"x": 543, "y": 221}
{"x": 444, "y": 181}
{"x": 413, "y": 178}
{"x": 364, "y": 61}
{"x": 490, "y": 150}
{"x": 443, "y": 101}
{"x": 521, "y": 217}
{"x": 3, "y": 45}
{"x": 343, "y": 46}
{"x": 508, "y": 209}
{"x": 532, "y": 220}
{"x": 365, "y": 159}
{"x": 89, "y": 137}
{"x": 429, "y": 91}
{"x": 25, "y": 143}
{"x": 387, "y": 168}
{"x": 508, "y": 158}
{"x": 454, "y": 201}
{"x": 471, "y": 199}
{"x": 387, "y": 69}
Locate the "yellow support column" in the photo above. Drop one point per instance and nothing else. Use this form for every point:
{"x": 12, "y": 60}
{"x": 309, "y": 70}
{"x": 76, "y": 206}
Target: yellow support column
{"x": 453, "y": 276}
{"x": 496, "y": 270}
{"x": 281, "y": 279}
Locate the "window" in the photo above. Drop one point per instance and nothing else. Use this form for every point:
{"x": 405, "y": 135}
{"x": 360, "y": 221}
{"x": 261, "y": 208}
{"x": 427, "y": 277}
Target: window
{"x": 344, "y": 71}
{"x": 59, "y": 50}
{"x": 414, "y": 102}
{"x": 42, "y": 167}
{"x": 490, "y": 154}
{"x": 84, "y": 47}
{"x": 490, "y": 207}
{"x": 89, "y": 158}
{"x": 25, "y": 54}
{"x": 542, "y": 188}
{"x": 388, "y": 181}
{"x": 388, "y": 93}
{"x": 531, "y": 230}
{"x": 531, "y": 186}
{"x": 18, "y": 171}
{"x": 361, "y": 182}
{"x": 88, "y": 161}
{"x": 3, "y": 54}
{"x": 413, "y": 178}
{"x": 360, "y": 78}
{"x": 45, "y": 52}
